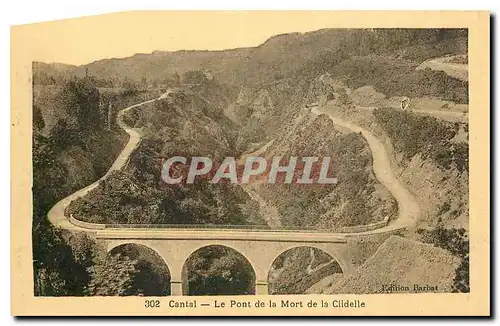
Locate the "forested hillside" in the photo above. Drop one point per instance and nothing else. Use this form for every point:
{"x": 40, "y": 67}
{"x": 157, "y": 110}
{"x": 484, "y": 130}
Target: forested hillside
{"x": 185, "y": 124}
{"x": 73, "y": 145}
{"x": 357, "y": 199}
{"x": 229, "y": 103}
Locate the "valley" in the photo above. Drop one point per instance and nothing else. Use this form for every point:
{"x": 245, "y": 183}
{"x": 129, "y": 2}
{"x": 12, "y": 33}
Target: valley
{"x": 330, "y": 93}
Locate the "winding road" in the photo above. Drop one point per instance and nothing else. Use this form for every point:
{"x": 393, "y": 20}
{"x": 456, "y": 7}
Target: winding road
{"x": 409, "y": 209}
{"x": 451, "y": 116}
{"x": 408, "y": 206}
{"x": 455, "y": 70}
{"x": 310, "y": 270}
{"x": 56, "y": 214}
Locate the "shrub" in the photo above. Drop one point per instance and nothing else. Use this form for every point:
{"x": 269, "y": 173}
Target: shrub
{"x": 414, "y": 134}
{"x": 455, "y": 241}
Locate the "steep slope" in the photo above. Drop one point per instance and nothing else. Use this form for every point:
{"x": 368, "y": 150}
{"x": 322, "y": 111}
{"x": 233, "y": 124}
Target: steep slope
{"x": 357, "y": 199}
{"x": 400, "y": 265}
{"x": 282, "y": 56}
{"x": 447, "y": 64}
{"x": 299, "y": 268}
{"x": 427, "y": 152}
{"x": 182, "y": 124}
{"x": 73, "y": 145}
{"x": 52, "y": 73}
{"x": 274, "y": 59}
{"x": 225, "y": 103}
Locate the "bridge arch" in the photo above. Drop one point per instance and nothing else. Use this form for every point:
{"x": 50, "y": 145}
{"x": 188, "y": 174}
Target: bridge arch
{"x": 226, "y": 262}
{"x": 153, "y": 277}
{"x": 115, "y": 246}
{"x": 344, "y": 264}
{"x": 260, "y": 254}
{"x": 286, "y": 274}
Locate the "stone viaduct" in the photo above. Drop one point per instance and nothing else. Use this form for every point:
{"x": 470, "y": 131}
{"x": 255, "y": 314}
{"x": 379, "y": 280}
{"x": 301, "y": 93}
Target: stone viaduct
{"x": 260, "y": 248}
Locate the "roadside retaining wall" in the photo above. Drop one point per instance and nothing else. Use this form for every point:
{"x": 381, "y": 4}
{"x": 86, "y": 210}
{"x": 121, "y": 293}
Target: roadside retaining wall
{"x": 365, "y": 228}
{"x": 86, "y": 225}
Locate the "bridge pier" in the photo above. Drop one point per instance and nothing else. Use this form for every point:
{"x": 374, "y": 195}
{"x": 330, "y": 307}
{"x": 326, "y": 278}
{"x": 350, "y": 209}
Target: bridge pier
{"x": 261, "y": 253}
{"x": 176, "y": 288}
{"x": 261, "y": 288}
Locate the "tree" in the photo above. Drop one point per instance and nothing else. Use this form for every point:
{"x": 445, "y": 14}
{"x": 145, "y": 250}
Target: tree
{"x": 176, "y": 79}
{"x": 112, "y": 276}
{"x": 48, "y": 283}
{"x": 61, "y": 260}
{"x": 455, "y": 241}
{"x": 217, "y": 270}
{"x": 38, "y": 121}
{"x": 152, "y": 277}
{"x": 81, "y": 100}
{"x": 130, "y": 87}
{"x": 59, "y": 270}
{"x": 194, "y": 77}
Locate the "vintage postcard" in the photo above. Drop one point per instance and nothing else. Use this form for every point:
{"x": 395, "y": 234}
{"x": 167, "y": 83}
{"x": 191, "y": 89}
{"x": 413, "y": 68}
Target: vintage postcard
{"x": 311, "y": 163}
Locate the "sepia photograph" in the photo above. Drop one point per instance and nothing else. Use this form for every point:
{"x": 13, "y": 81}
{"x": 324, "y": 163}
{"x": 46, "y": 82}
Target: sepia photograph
{"x": 331, "y": 162}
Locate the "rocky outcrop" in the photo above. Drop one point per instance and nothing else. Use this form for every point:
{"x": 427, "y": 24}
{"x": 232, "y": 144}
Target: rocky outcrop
{"x": 399, "y": 265}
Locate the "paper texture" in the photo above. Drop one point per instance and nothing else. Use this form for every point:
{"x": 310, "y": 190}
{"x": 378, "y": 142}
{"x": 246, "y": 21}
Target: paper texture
{"x": 312, "y": 163}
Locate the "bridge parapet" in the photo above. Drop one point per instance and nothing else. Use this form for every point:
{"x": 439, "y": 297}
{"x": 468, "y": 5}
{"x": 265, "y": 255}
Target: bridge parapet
{"x": 365, "y": 228}
{"x": 86, "y": 225}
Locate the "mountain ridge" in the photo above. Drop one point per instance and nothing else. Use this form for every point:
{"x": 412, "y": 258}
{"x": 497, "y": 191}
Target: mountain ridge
{"x": 278, "y": 57}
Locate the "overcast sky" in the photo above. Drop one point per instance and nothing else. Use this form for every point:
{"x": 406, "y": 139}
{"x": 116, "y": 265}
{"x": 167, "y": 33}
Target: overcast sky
{"x": 83, "y": 40}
